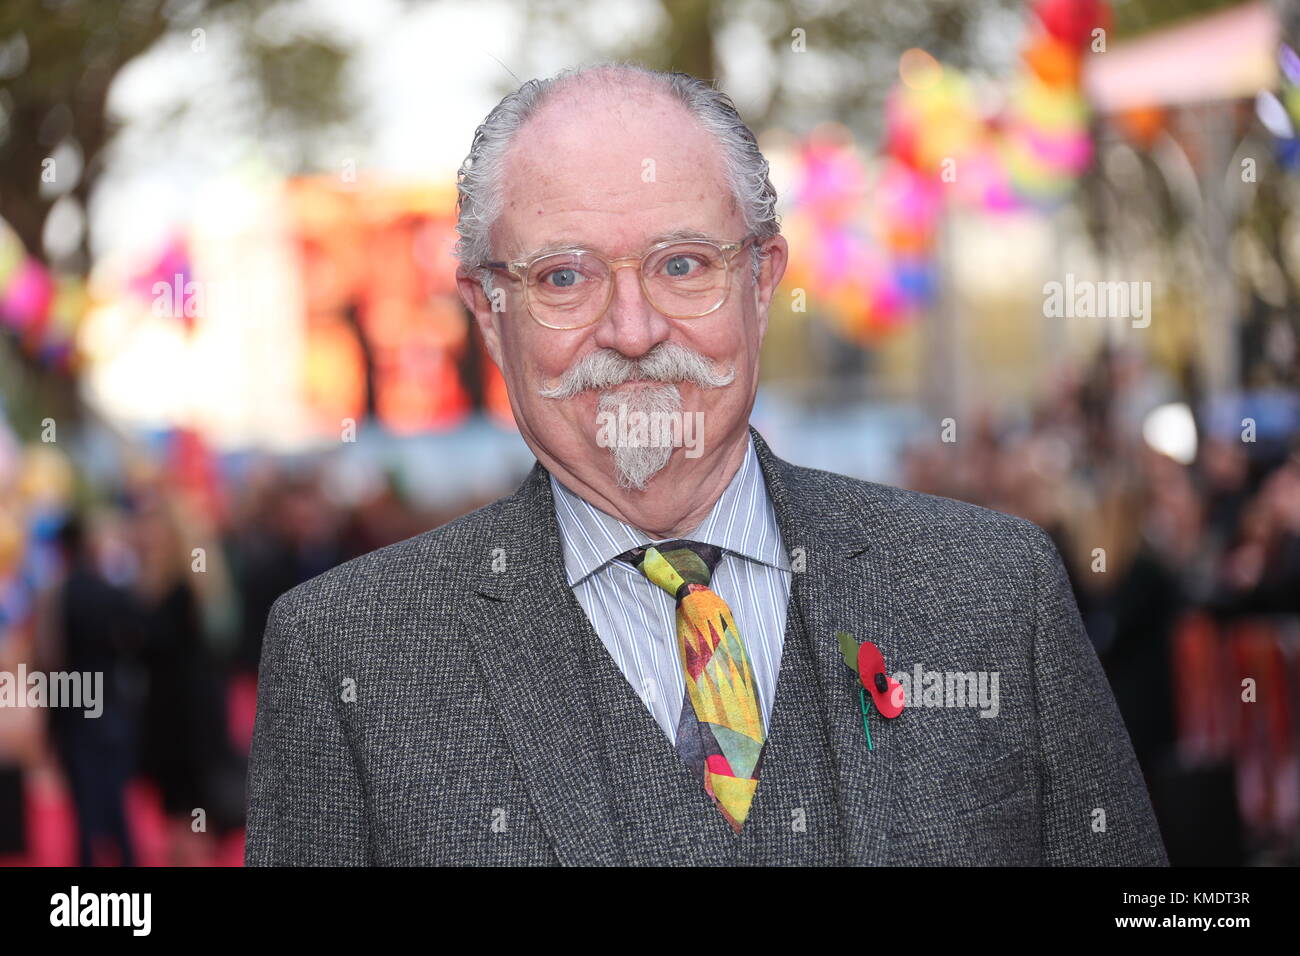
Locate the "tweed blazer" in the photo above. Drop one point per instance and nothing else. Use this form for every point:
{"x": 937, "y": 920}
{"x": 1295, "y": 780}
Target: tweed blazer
{"x": 416, "y": 704}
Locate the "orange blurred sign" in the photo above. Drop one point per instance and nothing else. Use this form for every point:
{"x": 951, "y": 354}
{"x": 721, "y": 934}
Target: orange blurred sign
{"x": 386, "y": 333}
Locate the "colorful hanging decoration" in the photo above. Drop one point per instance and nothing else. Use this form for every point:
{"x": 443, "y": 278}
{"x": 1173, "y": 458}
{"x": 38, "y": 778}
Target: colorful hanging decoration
{"x": 167, "y": 284}
{"x": 1042, "y": 139}
{"x": 864, "y": 232}
{"x": 1044, "y": 145}
{"x": 839, "y": 262}
{"x": 40, "y": 309}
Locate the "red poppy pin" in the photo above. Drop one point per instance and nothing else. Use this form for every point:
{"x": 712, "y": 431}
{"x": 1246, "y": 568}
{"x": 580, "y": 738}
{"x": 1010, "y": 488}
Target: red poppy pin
{"x": 869, "y": 664}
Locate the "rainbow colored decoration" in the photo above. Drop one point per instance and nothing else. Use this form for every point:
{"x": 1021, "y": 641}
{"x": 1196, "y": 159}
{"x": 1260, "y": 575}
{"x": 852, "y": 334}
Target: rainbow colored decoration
{"x": 40, "y": 309}
{"x": 864, "y": 232}
{"x": 1032, "y": 151}
{"x": 167, "y": 283}
{"x": 839, "y": 261}
{"x": 1044, "y": 142}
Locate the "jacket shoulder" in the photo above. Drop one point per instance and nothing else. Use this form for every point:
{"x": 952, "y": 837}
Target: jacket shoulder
{"x": 914, "y": 518}
{"x": 445, "y": 558}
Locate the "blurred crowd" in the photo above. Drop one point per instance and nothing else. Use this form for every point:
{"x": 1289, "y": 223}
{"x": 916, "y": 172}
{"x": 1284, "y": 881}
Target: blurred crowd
{"x": 164, "y": 588}
{"x": 1187, "y": 576}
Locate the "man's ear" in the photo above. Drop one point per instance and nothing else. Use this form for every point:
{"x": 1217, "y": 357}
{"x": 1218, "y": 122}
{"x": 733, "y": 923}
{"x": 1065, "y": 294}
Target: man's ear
{"x": 481, "y": 305}
{"x": 771, "y": 268}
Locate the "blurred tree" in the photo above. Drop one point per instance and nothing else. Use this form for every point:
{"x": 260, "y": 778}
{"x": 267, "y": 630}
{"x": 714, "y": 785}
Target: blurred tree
{"x": 1133, "y": 17}
{"x": 841, "y": 64}
{"x": 838, "y": 66}
{"x": 58, "y": 61}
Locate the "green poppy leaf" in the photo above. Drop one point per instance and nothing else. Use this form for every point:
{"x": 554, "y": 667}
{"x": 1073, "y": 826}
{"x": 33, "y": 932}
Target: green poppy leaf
{"x": 848, "y": 648}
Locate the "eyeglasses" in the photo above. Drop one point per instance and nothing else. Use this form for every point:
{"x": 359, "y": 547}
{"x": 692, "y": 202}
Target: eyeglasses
{"x": 571, "y": 289}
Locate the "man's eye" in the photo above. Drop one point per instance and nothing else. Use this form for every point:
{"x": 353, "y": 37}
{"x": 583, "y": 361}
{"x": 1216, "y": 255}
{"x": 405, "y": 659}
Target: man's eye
{"x": 682, "y": 265}
{"x": 562, "y": 278}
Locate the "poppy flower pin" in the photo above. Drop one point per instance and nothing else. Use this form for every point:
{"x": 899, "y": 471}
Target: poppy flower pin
{"x": 869, "y": 664}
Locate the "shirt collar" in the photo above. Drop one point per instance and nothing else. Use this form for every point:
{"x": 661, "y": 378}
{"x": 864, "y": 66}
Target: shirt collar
{"x": 742, "y": 521}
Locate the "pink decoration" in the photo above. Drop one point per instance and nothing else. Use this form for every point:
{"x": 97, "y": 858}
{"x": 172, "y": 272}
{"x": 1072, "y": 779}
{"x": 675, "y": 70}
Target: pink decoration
{"x": 25, "y": 301}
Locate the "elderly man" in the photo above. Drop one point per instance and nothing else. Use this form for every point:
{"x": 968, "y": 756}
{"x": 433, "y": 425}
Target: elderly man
{"x": 669, "y": 646}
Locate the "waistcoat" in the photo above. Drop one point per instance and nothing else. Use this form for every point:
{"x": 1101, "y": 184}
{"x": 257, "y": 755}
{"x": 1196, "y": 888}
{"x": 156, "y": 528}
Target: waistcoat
{"x": 663, "y": 816}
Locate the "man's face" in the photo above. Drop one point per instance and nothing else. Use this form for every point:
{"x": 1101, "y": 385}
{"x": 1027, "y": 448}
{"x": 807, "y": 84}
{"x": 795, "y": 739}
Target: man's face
{"x": 614, "y": 173}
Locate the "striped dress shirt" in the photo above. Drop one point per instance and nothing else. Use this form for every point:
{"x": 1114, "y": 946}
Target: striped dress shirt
{"x": 636, "y": 620}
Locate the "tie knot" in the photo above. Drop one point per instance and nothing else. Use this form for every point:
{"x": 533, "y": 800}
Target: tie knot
{"x": 673, "y": 565}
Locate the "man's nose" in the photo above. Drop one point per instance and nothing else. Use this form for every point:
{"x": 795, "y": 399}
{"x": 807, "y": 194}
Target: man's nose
{"x": 630, "y": 324}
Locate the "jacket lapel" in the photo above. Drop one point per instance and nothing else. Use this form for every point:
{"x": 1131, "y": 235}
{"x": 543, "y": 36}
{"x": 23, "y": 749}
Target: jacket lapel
{"x": 844, "y": 587}
{"x": 525, "y": 618}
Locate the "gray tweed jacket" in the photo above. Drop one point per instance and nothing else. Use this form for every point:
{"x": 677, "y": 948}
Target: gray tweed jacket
{"x": 408, "y": 697}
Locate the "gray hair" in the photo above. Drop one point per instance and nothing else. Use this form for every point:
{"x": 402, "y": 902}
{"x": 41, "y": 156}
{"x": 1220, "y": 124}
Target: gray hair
{"x": 478, "y": 183}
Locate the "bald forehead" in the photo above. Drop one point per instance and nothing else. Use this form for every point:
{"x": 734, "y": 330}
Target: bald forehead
{"x": 606, "y": 88}
{"x": 618, "y": 160}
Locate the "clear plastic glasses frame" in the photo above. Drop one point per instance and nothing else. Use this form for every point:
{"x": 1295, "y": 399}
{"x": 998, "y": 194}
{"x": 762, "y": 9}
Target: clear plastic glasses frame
{"x": 568, "y": 308}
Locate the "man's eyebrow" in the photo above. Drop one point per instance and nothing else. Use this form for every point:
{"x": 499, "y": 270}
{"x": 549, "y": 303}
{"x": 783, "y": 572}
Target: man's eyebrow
{"x": 556, "y": 245}
{"x": 677, "y": 234}
{"x": 563, "y": 244}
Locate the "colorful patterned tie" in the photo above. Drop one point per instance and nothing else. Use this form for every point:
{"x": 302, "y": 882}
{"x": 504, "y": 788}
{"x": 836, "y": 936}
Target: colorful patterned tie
{"x": 720, "y": 735}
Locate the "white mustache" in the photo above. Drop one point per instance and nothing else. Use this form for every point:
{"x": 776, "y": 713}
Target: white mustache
{"x": 666, "y": 362}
